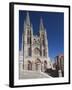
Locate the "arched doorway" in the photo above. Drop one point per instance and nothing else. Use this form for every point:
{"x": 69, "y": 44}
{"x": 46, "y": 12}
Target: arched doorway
{"x": 38, "y": 65}
{"x": 45, "y": 65}
{"x": 29, "y": 65}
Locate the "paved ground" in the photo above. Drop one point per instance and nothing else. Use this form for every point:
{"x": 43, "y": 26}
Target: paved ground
{"x": 32, "y": 74}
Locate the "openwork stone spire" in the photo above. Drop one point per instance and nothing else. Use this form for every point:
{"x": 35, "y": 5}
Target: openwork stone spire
{"x": 27, "y": 19}
{"x": 41, "y": 24}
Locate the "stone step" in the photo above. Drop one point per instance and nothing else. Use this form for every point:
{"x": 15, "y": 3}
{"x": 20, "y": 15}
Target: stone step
{"x": 33, "y": 74}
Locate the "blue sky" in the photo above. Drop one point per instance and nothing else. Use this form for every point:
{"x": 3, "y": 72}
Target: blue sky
{"x": 54, "y": 24}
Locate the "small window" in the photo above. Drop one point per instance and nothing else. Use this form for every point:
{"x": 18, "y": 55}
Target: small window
{"x": 44, "y": 52}
{"x": 29, "y": 65}
{"x": 28, "y": 40}
{"x": 29, "y": 51}
{"x": 28, "y": 32}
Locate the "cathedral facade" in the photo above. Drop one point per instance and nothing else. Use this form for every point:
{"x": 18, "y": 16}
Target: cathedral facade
{"x": 35, "y": 47}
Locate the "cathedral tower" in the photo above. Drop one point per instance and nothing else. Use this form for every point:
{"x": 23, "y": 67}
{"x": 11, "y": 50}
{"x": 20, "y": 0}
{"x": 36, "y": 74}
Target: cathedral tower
{"x": 28, "y": 34}
{"x": 43, "y": 40}
{"x": 35, "y": 47}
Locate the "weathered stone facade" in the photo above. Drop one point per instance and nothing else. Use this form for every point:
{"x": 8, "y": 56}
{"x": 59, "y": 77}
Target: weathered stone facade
{"x": 35, "y": 48}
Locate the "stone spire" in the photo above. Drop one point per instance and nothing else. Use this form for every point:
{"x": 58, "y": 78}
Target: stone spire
{"x": 27, "y": 19}
{"x": 41, "y": 24}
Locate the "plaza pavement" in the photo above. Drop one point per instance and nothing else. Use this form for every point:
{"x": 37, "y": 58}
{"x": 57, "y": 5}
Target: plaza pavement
{"x": 32, "y": 75}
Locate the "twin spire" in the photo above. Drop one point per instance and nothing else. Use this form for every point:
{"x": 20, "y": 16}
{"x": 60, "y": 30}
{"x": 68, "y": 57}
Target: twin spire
{"x": 28, "y": 21}
{"x": 41, "y": 24}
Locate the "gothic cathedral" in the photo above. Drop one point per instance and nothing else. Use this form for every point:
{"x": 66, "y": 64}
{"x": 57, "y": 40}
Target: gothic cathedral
{"x": 35, "y": 47}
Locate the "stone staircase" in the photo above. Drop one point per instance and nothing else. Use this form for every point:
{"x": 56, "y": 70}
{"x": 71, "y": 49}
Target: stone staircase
{"x": 32, "y": 75}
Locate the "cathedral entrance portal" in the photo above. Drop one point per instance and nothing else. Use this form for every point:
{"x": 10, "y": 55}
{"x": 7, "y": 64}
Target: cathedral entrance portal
{"x": 38, "y": 65}
{"x": 45, "y": 65}
{"x": 29, "y": 65}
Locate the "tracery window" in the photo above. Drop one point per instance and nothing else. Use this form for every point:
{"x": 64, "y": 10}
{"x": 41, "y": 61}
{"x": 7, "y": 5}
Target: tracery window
{"x": 29, "y": 51}
{"x": 43, "y": 52}
{"x": 28, "y": 40}
{"x": 28, "y": 32}
{"x": 37, "y": 51}
{"x": 29, "y": 65}
{"x": 43, "y": 40}
{"x": 28, "y": 37}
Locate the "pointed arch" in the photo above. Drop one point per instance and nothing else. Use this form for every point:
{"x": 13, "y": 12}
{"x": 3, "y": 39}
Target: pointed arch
{"x": 38, "y": 60}
{"x": 29, "y": 65}
{"x": 38, "y": 65}
{"x": 45, "y": 65}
